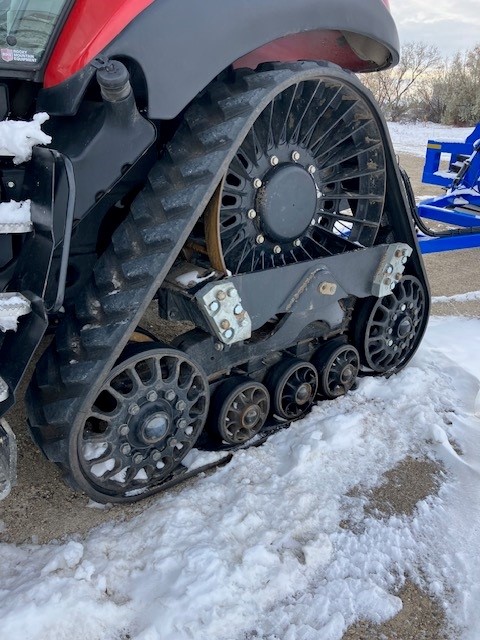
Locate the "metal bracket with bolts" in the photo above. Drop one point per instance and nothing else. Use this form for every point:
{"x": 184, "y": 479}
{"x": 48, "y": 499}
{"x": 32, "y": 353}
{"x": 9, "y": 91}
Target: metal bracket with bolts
{"x": 222, "y": 307}
{"x": 390, "y": 269}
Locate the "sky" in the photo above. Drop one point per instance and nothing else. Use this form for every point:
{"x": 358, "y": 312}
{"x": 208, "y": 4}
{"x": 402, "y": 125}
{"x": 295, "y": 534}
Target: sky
{"x": 449, "y": 25}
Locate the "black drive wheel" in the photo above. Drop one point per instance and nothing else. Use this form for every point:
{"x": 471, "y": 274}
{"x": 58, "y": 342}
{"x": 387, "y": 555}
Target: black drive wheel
{"x": 239, "y": 410}
{"x": 387, "y": 331}
{"x": 337, "y": 365}
{"x": 310, "y": 171}
{"x": 293, "y": 386}
{"x": 145, "y": 418}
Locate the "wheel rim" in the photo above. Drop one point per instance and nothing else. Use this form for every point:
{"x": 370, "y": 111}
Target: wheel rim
{"x": 310, "y": 171}
{"x": 293, "y": 385}
{"x": 338, "y": 368}
{"x": 241, "y": 411}
{"x": 145, "y": 419}
{"x": 393, "y": 326}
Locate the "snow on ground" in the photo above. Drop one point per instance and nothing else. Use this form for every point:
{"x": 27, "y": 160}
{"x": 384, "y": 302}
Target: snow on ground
{"x": 413, "y": 137}
{"x": 257, "y": 549}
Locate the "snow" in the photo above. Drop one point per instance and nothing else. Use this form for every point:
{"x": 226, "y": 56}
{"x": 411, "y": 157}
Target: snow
{"x": 15, "y": 217}
{"x": 259, "y": 546}
{"x": 18, "y": 137}
{"x": 413, "y": 137}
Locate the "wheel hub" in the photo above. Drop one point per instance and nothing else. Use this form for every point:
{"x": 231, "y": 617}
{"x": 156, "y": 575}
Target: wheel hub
{"x": 251, "y": 416}
{"x": 154, "y": 428}
{"x": 304, "y": 394}
{"x": 404, "y": 327}
{"x": 286, "y": 202}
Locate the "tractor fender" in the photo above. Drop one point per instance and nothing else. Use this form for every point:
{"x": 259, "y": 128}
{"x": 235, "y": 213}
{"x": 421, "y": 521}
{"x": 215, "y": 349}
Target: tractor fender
{"x": 181, "y": 47}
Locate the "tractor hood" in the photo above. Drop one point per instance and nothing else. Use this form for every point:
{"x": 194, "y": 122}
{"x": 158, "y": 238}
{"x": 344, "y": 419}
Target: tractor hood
{"x": 28, "y": 32}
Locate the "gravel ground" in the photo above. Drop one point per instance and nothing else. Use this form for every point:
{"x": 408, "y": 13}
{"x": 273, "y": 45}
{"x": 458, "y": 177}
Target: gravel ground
{"x": 42, "y": 508}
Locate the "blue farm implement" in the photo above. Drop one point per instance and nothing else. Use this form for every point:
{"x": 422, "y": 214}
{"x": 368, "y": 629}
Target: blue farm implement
{"x": 459, "y": 206}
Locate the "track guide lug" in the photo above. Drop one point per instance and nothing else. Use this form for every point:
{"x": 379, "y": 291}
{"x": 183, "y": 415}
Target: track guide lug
{"x": 390, "y": 269}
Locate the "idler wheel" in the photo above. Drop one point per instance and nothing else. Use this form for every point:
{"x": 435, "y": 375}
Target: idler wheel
{"x": 337, "y": 366}
{"x": 293, "y": 385}
{"x": 239, "y": 410}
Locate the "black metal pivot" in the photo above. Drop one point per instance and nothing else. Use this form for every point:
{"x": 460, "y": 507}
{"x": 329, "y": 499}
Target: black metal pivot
{"x": 239, "y": 410}
{"x": 337, "y": 365}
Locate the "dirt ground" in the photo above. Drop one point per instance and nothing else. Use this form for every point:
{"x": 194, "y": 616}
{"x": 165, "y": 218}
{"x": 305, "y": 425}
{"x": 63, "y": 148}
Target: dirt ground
{"x": 42, "y": 508}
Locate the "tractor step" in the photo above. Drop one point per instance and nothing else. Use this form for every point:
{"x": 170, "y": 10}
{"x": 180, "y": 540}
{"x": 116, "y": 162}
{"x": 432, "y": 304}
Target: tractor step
{"x": 12, "y": 306}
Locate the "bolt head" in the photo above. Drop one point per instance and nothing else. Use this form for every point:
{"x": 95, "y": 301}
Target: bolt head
{"x": 170, "y": 395}
{"x": 274, "y": 161}
{"x": 252, "y": 214}
{"x": 214, "y": 306}
{"x": 277, "y": 249}
{"x": 181, "y": 405}
{"x": 10, "y": 184}
{"x": 389, "y": 269}
{"x": 152, "y": 396}
{"x": 389, "y": 330}
{"x": 390, "y": 343}
{"x": 218, "y": 346}
{"x": 125, "y": 449}
{"x": 260, "y": 239}
{"x": 311, "y": 169}
{"x": 238, "y": 310}
{"x": 181, "y": 424}
{"x": 387, "y": 281}
{"x": 257, "y": 183}
{"x": 137, "y": 458}
{"x": 295, "y": 156}
{"x": 133, "y": 409}
{"x": 313, "y": 222}
{"x": 156, "y": 456}
{"x": 221, "y": 295}
{"x": 404, "y": 260}
{"x": 228, "y": 334}
{"x": 124, "y": 429}
{"x": 403, "y": 307}
{"x": 225, "y": 324}
{"x": 392, "y": 286}
{"x": 297, "y": 242}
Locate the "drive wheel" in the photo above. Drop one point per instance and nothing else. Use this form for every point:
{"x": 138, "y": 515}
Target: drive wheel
{"x": 239, "y": 410}
{"x": 337, "y": 365}
{"x": 293, "y": 386}
{"x": 310, "y": 172}
{"x": 145, "y": 418}
{"x": 388, "y": 330}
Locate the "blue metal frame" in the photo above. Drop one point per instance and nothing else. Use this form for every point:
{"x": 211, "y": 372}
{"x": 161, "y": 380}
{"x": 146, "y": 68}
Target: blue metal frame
{"x": 460, "y": 205}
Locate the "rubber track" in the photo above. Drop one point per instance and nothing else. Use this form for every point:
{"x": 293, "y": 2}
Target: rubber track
{"x": 143, "y": 249}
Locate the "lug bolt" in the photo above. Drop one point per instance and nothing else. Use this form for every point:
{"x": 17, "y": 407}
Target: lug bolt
{"x": 123, "y": 429}
{"x": 238, "y": 310}
{"x": 295, "y": 156}
{"x": 173, "y": 442}
{"x": 221, "y": 295}
{"x": 387, "y": 281}
{"x": 297, "y": 242}
{"x": 410, "y": 305}
{"x": 137, "y": 458}
{"x": 181, "y": 424}
{"x": 10, "y": 184}
{"x": 395, "y": 348}
{"x": 311, "y": 169}
{"x": 404, "y": 260}
{"x": 252, "y": 214}
{"x": 152, "y": 396}
{"x": 228, "y": 334}
{"x": 392, "y": 286}
{"x": 277, "y": 249}
{"x": 218, "y": 346}
{"x": 133, "y": 409}
{"x": 398, "y": 253}
{"x": 389, "y": 330}
{"x": 260, "y": 239}
{"x": 180, "y": 406}
{"x": 225, "y": 324}
{"x": 389, "y": 269}
{"x": 274, "y": 161}
{"x": 231, "y": 292}
{"x": 403, "y": 307}
{"x": 170, "y": 395}
{"x": 125, "y": 449}
{"x": 214, "y": 306}
{"x": 257, "y": 183}
{"x": 398, "y": 277}
{"x": 390, "y": 343}
{"x": 156, "y": 456}
{"x": 313, "y": 222}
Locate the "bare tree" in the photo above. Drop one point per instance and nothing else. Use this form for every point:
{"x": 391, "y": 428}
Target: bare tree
{"x": 393, "y": 88}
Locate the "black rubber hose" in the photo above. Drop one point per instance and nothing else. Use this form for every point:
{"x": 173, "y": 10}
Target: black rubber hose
{"x": 465, "y": 231}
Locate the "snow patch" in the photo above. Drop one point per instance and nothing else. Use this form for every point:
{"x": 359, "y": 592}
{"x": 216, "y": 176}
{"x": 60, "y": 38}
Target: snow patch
{"x": 17, "y": 137}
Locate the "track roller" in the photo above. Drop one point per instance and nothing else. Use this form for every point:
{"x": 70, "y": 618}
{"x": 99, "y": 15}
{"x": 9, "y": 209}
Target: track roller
{"x": 293, "y": 385}
{"x": 387, "y": 331}
{"x": 337, "y": 365}
{"x": 145, "y": 418}
{"x": 239, "y": 410}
